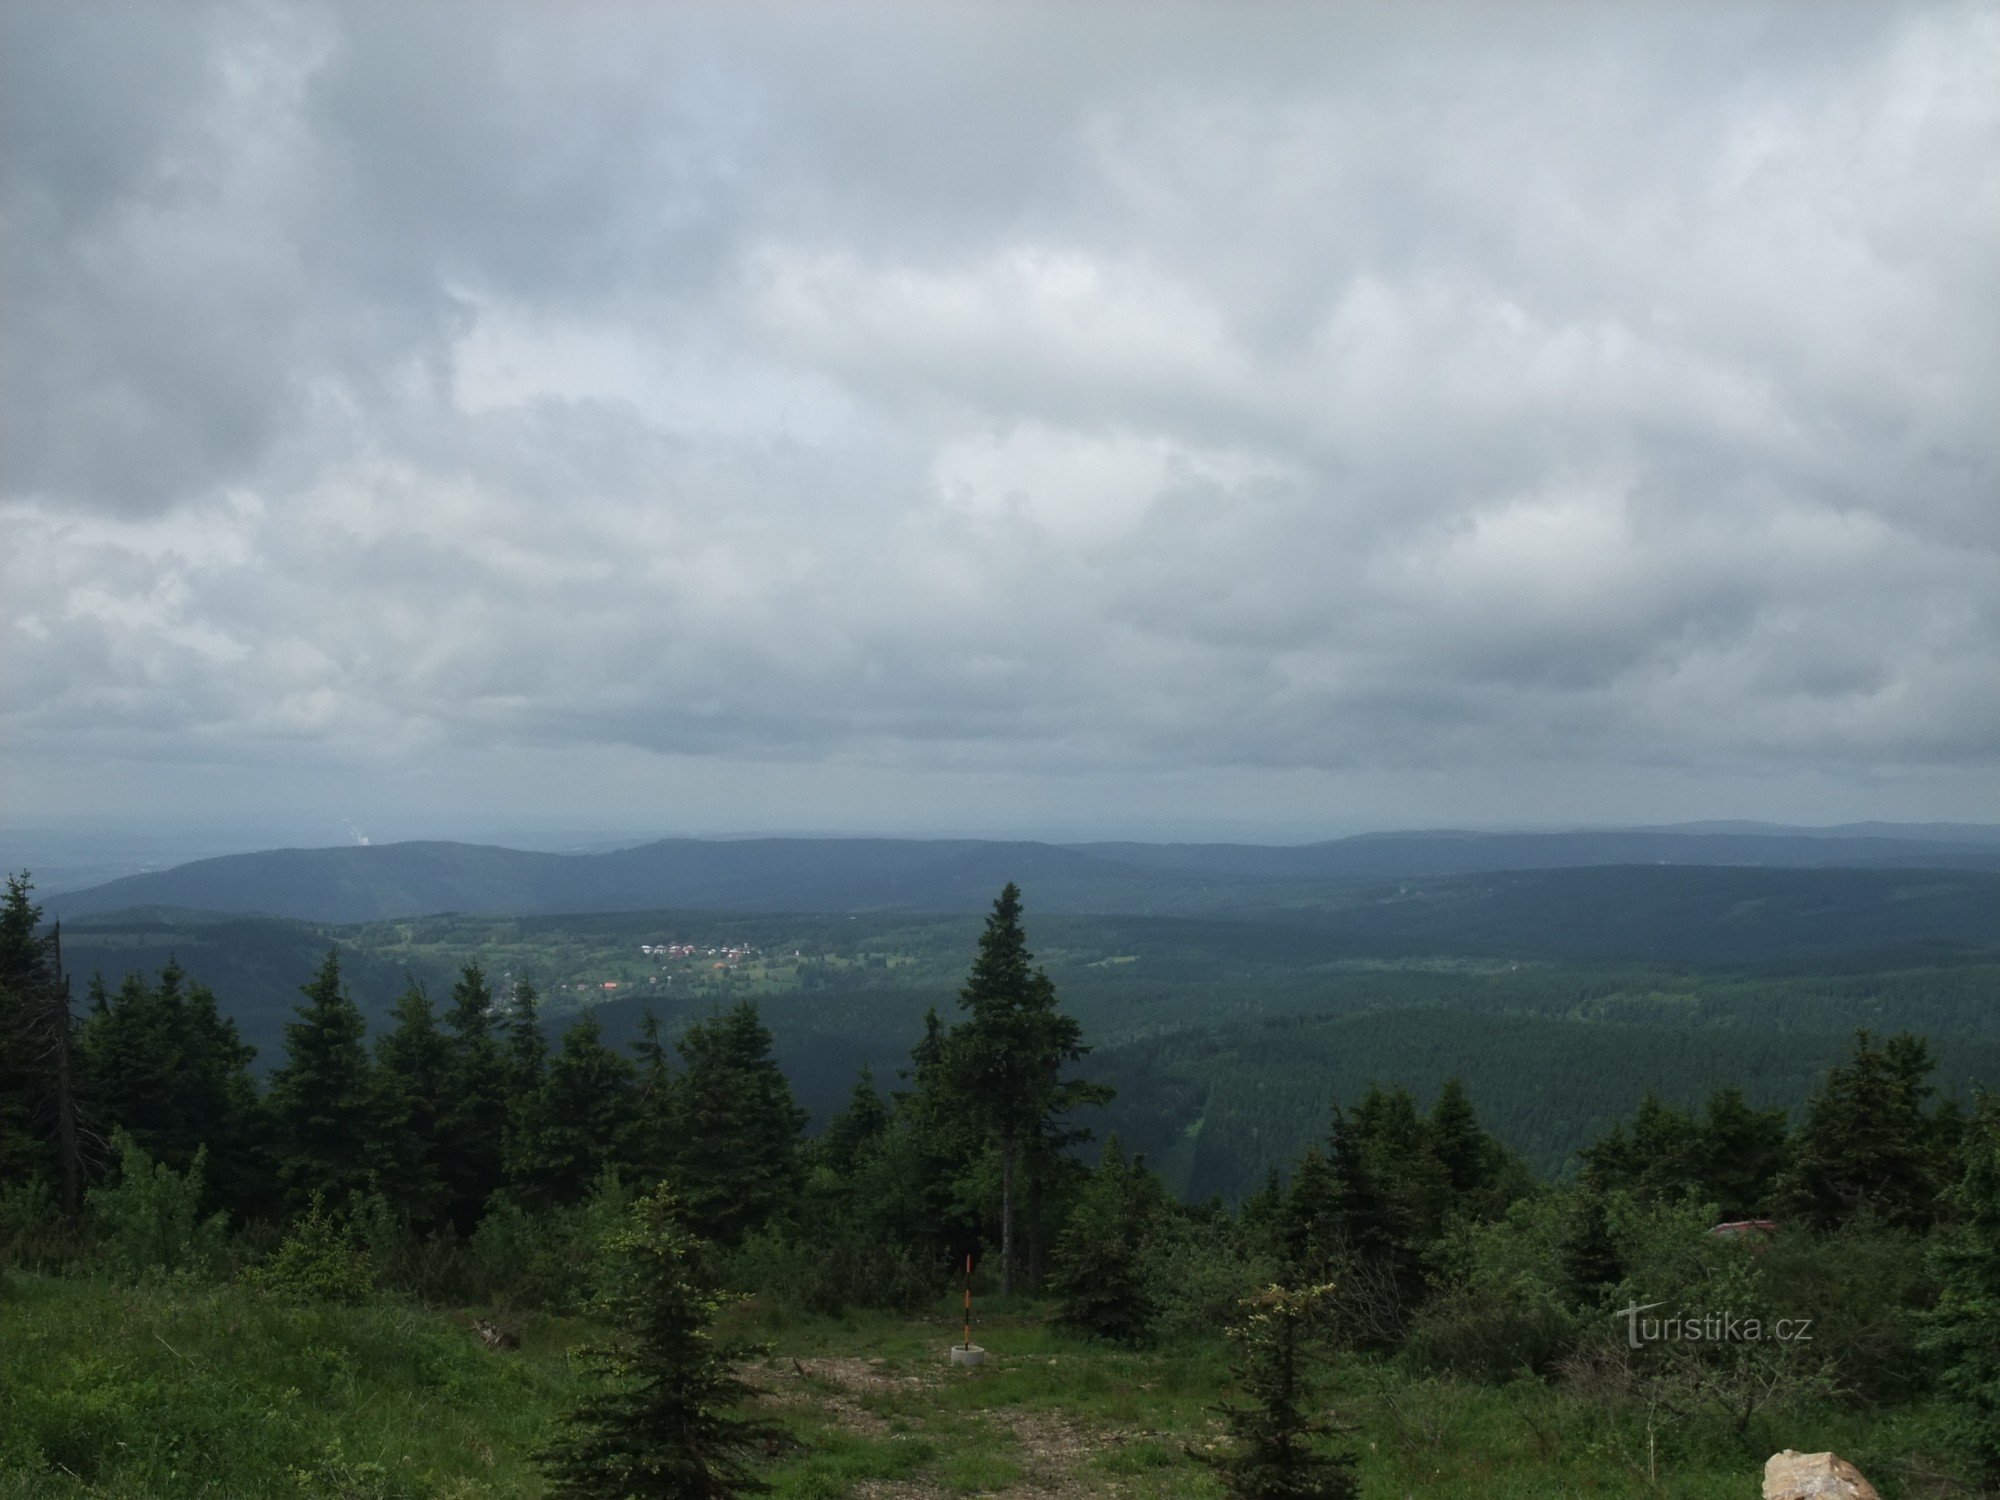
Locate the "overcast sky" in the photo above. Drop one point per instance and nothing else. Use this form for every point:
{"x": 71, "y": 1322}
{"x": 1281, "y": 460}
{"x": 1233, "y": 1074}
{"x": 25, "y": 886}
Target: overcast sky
{"x": 1072, "y": 418}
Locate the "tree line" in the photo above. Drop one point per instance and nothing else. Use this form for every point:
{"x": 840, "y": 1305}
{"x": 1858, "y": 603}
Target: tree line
{"x": 464, "y": 1137}
{"x": 457, "y": 1111}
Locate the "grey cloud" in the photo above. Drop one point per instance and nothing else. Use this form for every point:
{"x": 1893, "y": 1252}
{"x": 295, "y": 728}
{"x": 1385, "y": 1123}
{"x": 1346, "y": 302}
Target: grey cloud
{"x": 1351, "y": 389}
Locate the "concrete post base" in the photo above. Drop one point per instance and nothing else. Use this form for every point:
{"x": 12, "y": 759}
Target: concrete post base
{"x": 967, "y": 1354}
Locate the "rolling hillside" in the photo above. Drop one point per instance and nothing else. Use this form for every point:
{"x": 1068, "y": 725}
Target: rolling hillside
{"x": 373, "y": 883}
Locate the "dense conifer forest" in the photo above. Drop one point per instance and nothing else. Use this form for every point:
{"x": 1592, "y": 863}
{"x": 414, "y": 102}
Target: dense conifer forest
{"x": 1436, "y": 1269}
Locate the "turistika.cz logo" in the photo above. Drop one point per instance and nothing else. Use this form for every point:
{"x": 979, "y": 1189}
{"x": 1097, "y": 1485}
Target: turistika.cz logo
{"x": 1709, "y": 1328}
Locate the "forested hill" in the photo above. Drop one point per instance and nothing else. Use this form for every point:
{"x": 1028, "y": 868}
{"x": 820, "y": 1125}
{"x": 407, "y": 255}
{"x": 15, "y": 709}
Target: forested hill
{"x": 373, "y": 883}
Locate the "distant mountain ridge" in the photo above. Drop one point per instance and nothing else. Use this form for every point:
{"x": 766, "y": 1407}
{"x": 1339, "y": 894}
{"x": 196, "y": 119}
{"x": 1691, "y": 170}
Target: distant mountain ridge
{"x": 358, "y": 883}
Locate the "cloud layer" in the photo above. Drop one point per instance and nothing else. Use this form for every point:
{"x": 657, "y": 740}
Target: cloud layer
{"x": 1077, "y": 394}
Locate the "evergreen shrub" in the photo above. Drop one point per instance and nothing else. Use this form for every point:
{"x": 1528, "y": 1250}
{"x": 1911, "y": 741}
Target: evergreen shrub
{"x": 321, "y": 1259}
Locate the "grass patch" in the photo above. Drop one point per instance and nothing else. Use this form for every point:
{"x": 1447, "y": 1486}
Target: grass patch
{"x": 183, "y": 1390}
{"x": 839, "y": 1461}
{"x": 196, "y": 1390}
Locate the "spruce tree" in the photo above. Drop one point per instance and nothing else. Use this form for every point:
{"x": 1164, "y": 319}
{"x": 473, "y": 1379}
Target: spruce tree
{"x": 1464, "y": 1150}
{"x": 412, "y": 1083}
{"x": 527, "y": 1061}
{"x": 527, "y": 1048}
{"x": 1400, "y": 1149}
{"x": 474, "y": 1121}
{"x": 168, "y": 1068}
{"x": 1587, "y": 1255}
{"x": 665, "y": 1425}
{"x": 1963, "y": 1331}
{"x": 1308, "y": 1218}
{"x": 322, "y": 1098}
{"x": 848, "y": 1132}
{"x": 23, "y": 955}
{"x": 1866, "y": 1144}
{"x": 1006, "y": 1058}
{"x": 582, "y": 1119}
{"x": 1277, "y": 1445}
{"x": 736, "y": 1128}
{"x": 650, "y": 1151}
{"x": 1098, "y": 1275}
{"x": 1657, "y": 1159}
{"x": 41, "y": 1132}
{"x": 1739, "y": 1153}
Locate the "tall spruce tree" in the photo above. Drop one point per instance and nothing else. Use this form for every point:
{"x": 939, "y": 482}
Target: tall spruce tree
{"x": 41, "y": 1131}
{"x": 527, "y": 1048}
{"x": 23, "y": 1153}
{"x": 1866, "y": 1144}
{"x": 1006, "y": 1057}
{"x": 412, "y": 1084}
{"x": 1739, "y": 1153}
{"x": 650, "y": 1150}
{"x": 527, "y": 1060}
{"x": 1657, "y": 1158}
{"x": 582, "y": 1122}
{"x": 474, "y": 1121}
{"x": 850, "y": 1131}
{"x": 170, "y": 1070}
{"x": 736, "y": 1127}
{"x": 322, "y": 1098}
{"x": 1461, "y": 1147}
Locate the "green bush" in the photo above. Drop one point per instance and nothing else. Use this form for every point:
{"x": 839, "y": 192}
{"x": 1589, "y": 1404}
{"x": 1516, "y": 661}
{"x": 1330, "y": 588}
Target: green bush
{"x": 321, "y": 1260}
{"x": 150, "y": 1218}
{"x": 549, "y": 1259}
{"x": 1199, "y": 1270}
{"x": 1491, "y": 1333}
{"x": 786, "y": 1269}
{"x": 1866, "y": 1287}
{"x": 1505, "y": 1300}
{"x": 33, "y": 1233}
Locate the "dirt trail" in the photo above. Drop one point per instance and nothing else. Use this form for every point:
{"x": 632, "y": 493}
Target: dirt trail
{"x": 1053, "y": 1451}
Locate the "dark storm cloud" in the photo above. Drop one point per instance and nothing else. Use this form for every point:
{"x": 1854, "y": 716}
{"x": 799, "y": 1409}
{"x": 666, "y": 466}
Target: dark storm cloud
{"x": 1445, "y": 388}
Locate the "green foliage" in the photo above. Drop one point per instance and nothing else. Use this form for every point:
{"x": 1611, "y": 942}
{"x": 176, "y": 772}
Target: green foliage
{"x": 412, "y": 1082}
{"x": 151, "y": 1220}
{"x": 1506, "y": 1300}
{"x": 1099, "y": 1272}
{"x": 824, "y": 1266}
{"x": 663, "y": 1425}
{"x": 577, "y": 1123}
{"x": 322, "y": 1259}
{"x": 174, "y": 1074}
{"x": 734, "y": 1144}
{"x": 34, "y": 1232}
{"x": 1867, "y": 1144}
{"x": 1865, "y": 1287}
{"x": 848, "y": 1133}
{"x": 1198, "y": 1267}
{"x": 174, "y": 1389}
{"x": 473, "y": 1121}
{"x": 1277, "y": 1444}
{"x": 322, "y": 1099}
{"x": 1002, "y": 1065}
{"x": 40, "y": 1135}
{"x": 1963, "y": 1332}
{"x": 544, "y": 1258}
